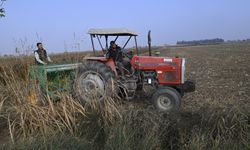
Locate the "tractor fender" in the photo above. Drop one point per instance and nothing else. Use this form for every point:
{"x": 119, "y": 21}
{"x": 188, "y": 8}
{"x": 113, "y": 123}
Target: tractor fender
{"x": 108, "y": 61}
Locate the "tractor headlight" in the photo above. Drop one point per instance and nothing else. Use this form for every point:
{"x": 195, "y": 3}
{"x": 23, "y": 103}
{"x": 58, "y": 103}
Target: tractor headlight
{"x": 183, "y": 70}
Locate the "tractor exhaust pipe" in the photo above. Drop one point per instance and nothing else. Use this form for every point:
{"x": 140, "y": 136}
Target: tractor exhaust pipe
{"x": 149, "y": 42}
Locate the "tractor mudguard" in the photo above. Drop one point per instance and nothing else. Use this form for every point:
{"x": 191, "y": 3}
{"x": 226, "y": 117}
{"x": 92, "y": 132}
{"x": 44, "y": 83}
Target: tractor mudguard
{"x": 108, "y": 61}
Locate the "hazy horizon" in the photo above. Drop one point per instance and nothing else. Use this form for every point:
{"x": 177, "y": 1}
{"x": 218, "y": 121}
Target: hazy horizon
{"x": 62, "y": 25}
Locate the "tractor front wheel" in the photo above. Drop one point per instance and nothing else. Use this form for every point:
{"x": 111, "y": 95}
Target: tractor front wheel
{"x": 166, "y": 99}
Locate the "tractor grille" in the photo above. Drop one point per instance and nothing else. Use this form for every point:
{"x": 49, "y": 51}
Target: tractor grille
{"x": 171, "y": 76}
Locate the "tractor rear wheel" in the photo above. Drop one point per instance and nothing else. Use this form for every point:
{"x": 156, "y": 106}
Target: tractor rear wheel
{"x": 166, "y": 99}
{"x": 93, "y": 82}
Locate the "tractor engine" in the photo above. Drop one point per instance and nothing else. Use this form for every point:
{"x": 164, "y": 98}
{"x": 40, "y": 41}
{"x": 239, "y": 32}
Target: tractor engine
{"x": 148, "y": 82}
{"x": 145, "y": 81}
{"x": 129, "y": 87}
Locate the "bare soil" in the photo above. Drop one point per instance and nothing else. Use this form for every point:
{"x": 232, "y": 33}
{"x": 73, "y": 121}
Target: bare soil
{"x": 221, "y": 73}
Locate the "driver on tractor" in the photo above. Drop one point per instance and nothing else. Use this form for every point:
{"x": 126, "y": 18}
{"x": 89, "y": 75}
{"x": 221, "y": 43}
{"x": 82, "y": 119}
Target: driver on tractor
{"x": 115, "y": 53}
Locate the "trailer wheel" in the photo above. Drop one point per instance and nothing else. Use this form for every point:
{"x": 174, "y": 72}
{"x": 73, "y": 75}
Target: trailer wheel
{"x": 93, "y": 82}
{"x": 166, "y": 99}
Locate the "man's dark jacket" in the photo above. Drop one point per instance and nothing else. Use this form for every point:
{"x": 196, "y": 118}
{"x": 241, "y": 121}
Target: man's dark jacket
{"x": 115, "y": 54}
{"x": 42, "y": 55}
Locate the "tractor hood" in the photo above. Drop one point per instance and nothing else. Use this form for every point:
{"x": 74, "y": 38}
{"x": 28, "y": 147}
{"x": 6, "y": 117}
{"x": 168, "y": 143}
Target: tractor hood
{"x": 162, "y": 66}
{"x": 149, "y": 62}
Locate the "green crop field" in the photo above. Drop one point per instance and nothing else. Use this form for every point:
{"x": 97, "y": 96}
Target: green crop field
{"x": 215, "y": 116}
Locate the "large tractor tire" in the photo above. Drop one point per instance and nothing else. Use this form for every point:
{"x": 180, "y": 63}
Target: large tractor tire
{"x": 94, "y": 81}
{"x": 166, "y": 99}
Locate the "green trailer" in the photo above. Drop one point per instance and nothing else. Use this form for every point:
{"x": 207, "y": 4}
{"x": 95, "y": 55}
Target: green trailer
{"x": 52, "y": 79}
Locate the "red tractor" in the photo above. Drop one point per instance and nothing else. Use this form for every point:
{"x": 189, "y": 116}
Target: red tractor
{"x": 160, "y": 78}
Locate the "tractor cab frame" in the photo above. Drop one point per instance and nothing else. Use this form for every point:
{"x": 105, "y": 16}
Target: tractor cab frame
{"x": 106, "y": 33}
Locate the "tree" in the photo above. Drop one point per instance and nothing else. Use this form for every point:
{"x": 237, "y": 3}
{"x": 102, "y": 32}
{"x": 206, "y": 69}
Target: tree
{"x": 2, "y": 11}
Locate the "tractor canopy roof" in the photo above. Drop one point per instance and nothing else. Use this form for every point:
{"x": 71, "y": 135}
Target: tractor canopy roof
{"x": 112, "y": 32}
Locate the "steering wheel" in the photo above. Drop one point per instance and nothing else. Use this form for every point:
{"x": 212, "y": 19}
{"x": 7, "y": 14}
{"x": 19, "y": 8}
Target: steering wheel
{"x": 125, "y": 54}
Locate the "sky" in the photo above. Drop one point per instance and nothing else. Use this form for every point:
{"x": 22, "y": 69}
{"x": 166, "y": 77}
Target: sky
{"x": 62, "y": 25}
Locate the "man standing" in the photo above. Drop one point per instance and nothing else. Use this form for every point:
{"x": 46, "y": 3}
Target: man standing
{"x": 41, "y": 56}
{"x": 39, "y": 72}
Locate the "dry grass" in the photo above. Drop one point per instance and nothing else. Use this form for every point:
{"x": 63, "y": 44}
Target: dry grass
{"x": 26, "y": 119}
{"x": 216, "y": 116}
